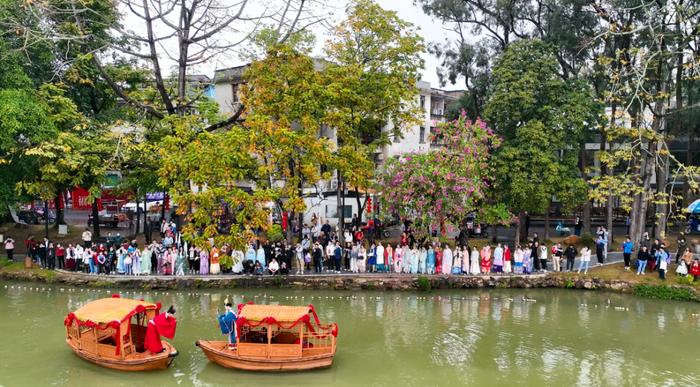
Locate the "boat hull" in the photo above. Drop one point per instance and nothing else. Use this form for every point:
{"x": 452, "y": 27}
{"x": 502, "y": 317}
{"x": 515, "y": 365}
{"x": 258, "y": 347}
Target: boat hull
{"x": 217, "y": 352}
{"x": 133, "y": 363}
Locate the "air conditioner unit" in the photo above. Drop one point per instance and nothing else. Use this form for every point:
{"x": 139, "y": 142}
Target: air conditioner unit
{"x": 334, "y": 185}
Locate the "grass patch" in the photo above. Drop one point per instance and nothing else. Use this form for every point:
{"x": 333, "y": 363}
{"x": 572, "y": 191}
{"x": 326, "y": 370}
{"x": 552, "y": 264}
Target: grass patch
{"x": 664, "y": 292}
{"x": 424, "y": 284}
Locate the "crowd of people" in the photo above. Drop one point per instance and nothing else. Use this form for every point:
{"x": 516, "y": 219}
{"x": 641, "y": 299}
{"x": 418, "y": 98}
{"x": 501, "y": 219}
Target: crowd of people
{"x": 323, "y": 250}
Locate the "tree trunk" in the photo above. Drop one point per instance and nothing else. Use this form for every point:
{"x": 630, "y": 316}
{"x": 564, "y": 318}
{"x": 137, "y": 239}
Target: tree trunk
{"x": 138, "y": 217}
{"x": 604, "y": 171}
{"x": 162, "y": 208}
{"x": 95, "y": 220}
{"x": 587, "y": 203}
{"x": 60, "y": 214}
{"x": 546, "y": 222}
{"x": 146, "y": 225}
{"x": 609, "y": 220}
{"x": 521, "y": 220}
{"x": 339, "y": 201}
{"x": 664, "y": 201}
{"x": 46, "y": 219}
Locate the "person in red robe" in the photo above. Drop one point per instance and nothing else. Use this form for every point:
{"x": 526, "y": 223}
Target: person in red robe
{"x": 161, "y": 325}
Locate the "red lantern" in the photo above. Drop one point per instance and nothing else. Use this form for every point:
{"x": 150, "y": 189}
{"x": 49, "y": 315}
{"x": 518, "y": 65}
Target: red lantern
{"x": 369, "y": 205}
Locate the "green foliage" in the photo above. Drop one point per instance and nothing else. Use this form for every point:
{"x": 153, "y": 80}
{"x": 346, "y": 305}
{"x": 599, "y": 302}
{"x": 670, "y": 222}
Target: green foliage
{"x": 288, "y": 103}
{"x": 424, "y": 284}
{"x": 540, "y": 117}
{"x": 587, "y": 239}
{"x": 686, "y": 280}
{"x": 202, "y": 171}
{"x": 570, "y": 284}
{"x": 274, "y": 233}
{"x": 226, "y": 262}
{"x": 374, "y": 63}
{"x": 664, "y": 292}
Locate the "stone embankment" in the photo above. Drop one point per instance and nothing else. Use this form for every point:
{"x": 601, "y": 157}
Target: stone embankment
{"x": 326, "y": 281}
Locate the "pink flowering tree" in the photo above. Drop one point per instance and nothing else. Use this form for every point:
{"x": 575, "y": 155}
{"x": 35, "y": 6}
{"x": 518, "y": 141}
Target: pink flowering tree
{"x": 441, "y": 187}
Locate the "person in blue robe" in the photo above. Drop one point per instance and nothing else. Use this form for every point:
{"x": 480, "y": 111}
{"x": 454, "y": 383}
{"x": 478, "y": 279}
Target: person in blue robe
{"x": 227, "y": 323}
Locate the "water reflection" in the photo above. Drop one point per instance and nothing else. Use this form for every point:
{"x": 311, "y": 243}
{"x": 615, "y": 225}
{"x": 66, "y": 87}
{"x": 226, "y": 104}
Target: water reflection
{"x": 528, "y": 337}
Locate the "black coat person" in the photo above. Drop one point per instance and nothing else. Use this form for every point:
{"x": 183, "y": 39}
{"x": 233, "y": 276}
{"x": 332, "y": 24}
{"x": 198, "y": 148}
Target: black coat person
{"x": 570, "y": 254}
{"x": 41, "y": 251}
{"x": 318, "y": 258}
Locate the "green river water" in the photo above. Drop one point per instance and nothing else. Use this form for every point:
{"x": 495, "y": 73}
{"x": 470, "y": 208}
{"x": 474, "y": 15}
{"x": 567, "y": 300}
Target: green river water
{"x": 455, "y": 338}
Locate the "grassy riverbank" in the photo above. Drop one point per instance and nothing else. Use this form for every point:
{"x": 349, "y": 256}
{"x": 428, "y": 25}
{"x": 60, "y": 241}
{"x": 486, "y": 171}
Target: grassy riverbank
{"x": 648, "y": 285}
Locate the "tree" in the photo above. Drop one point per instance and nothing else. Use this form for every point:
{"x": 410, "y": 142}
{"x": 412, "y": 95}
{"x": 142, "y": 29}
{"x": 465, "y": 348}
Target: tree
{"x": 544, "y": 120}
{"x": 288, "y": 103}
{"x": 373, "y": 70}
{"x": 655, "y": 57}
{"x": 441, "y": 187}
{"x": 203, "y": 171}
{"x": 565, "y": 24}
{"x": 73, "y": 157}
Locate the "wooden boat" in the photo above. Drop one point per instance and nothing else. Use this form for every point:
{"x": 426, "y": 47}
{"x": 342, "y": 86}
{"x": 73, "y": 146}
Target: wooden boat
{"x": 276, "y": 338}
{"x": 111, "y": 332}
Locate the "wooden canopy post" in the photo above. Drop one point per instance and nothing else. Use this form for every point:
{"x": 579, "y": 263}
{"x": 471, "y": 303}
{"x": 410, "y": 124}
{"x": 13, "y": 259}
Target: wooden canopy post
{"x": 269, "y": 340}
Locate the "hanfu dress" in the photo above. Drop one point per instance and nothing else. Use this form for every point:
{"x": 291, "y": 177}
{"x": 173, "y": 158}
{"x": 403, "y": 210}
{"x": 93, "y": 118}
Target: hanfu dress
{"x": 414, "y": 261}
{"x": 379, "y": 251}
{"x": 422, "y": 258}
{"x": 465, "y": 261}
{"x": 518, "y": 260}
{"x": 486, "y": 260}
{"x": 121, "y": 254}
{"x": 430, "y": 261}
{"x": 180, "y": 263}
{"x": 438, "y": 260}
{"x": 474, "y": 267}
{"x": 446, "y": 261}
{"x": 214, "y": 267}
{"x": 137, "y": 267}
{"x": 498, "y": 260}
{"x": 457, "y": 262}
{"x": 146, "y": 260}
{"x": 388, "y": 258}
{"x": 204, "y": 262}
{"x": 526, "y": 261}
{"x": 507, "y": 260}
{"x": 260, "y": 257}
{"x": 406, "y": 260}
{"x": 398, "y": 259}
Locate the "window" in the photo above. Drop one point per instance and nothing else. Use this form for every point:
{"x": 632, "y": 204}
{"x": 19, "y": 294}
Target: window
{"x": 234, "y": 93}
{"x": 422, "y": 101}
{"x": 421, "y": 135}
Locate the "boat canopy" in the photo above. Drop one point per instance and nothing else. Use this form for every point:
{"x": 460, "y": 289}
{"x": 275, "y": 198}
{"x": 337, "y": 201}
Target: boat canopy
{"x": 285, "y": 317}
{"x": 280, "y": 313}
{"x": 109, "y": 310}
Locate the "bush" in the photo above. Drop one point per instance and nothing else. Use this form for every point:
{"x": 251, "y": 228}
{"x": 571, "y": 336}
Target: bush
{"x": 424, "y": 284}
{"x": 587, "y": 240}
{"x": 226, "y": 262}
{"x": 686, "y": 280}
{"x": 570, "y": 284}
{"x": 274, "y": 233}
{"x": 664, "y": 292}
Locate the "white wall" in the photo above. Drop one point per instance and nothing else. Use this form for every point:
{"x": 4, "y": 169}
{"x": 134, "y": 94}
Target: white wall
{"x": 223, "y": 94}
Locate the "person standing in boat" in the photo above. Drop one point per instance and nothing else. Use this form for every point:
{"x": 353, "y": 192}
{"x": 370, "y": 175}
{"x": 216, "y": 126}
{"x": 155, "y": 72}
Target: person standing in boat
{"x": 227, "y": 323}
{"x": 163, "y": 324}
